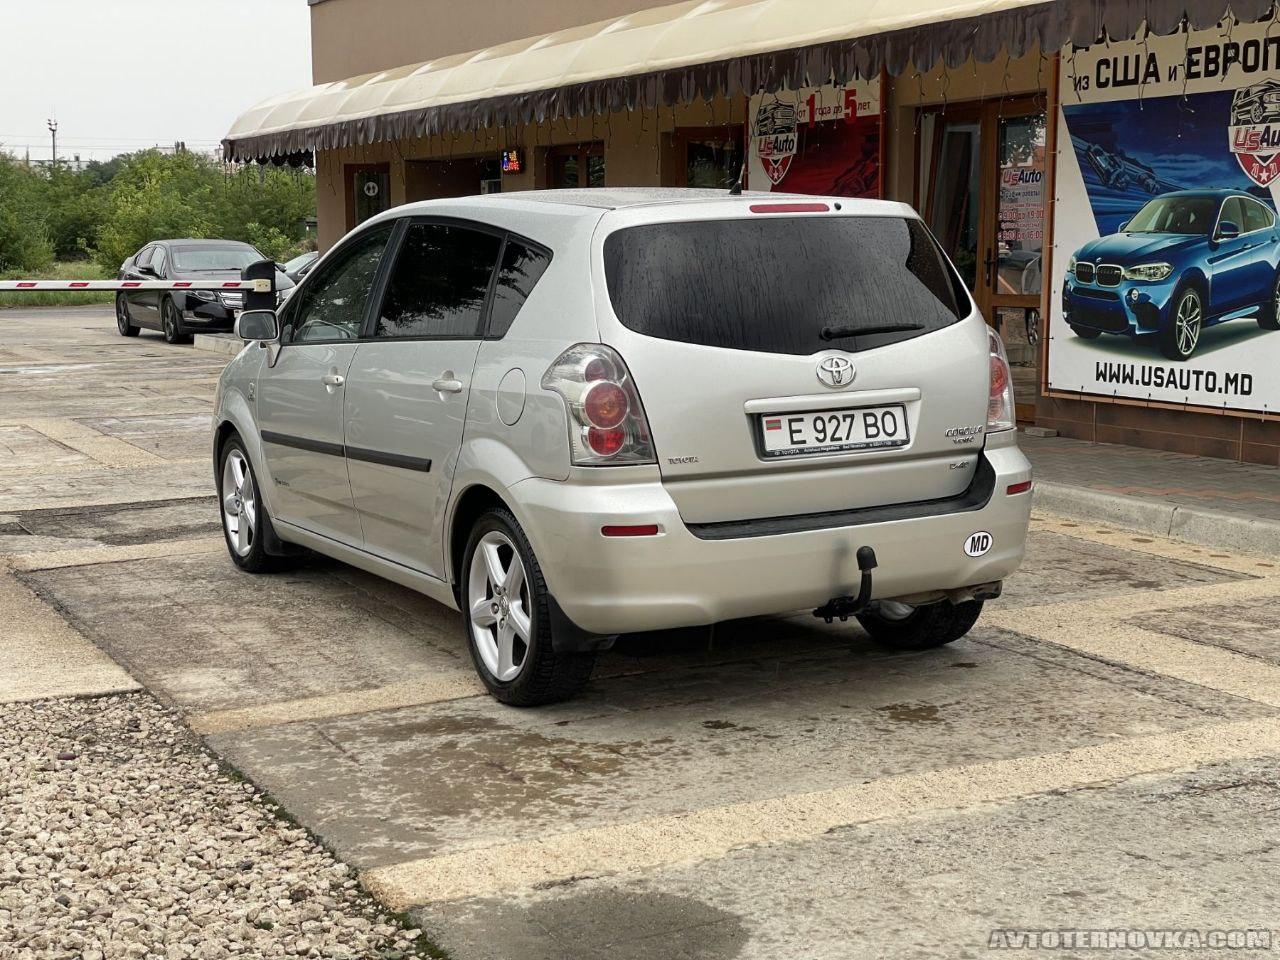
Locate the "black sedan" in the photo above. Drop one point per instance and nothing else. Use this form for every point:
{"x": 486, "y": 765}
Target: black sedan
{"x": 180, "y": 313}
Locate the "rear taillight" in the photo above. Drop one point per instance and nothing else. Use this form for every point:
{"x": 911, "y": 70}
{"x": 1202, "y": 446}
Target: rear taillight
{"x": 1000, "y": 415}
{"x": 607, "y": 425}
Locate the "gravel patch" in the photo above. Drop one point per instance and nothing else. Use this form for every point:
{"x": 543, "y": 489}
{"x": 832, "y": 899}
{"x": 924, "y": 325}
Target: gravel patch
{"x": 121, "y": 836}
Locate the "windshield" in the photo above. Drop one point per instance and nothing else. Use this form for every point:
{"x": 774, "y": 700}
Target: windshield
{"x": 202, "y": 258}
{"x": 1184, "y": 215}
{"x": 297, "y": 263}
{"x": 782, "y": 284}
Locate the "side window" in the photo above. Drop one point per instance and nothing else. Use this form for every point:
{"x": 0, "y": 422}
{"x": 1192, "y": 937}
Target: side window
{"x": 333, "y": 304}
{"x": 439, "y": 284}
{"x": 159, "y": 261}
{"x": 143, "y": 257}
{"x": 1232, "y": 212}
{"x": 1256, "y": 217}
{"x": 522, "y": 268}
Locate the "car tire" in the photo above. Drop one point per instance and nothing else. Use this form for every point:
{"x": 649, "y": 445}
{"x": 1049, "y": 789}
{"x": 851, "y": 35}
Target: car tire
{"x": 504, "y": 595}
{"x": 925, "y": 627}
{"x": 242, "y": 508}
{"x": 124, "y": 322}
{"x": 1187, "y": 310}
{"x": 1269, "y": 316}
{"x": 171, "y": 323}
{"x": 1084, "y": 333}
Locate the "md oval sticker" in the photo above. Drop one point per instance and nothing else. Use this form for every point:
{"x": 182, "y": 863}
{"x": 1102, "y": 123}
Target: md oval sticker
{"x": 978, "y": 543}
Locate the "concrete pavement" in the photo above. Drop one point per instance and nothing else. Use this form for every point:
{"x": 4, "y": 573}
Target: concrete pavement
{"x": 1099, "y": 752}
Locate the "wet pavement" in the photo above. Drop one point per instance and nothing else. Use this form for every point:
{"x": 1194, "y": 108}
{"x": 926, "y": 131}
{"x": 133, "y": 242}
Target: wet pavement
{"x": 1099, "y": 752}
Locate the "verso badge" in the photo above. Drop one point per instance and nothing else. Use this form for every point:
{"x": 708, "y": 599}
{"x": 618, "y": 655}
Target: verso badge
{"x": 836, "y": 371}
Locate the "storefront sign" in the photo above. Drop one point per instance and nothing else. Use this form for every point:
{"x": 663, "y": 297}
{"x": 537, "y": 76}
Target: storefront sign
{"x": 512, "y": 161}
{"x": 1166, "y": 281}
{"x": 820, "y": 140}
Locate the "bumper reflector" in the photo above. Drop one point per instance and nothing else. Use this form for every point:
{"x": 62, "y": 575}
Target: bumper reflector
{"x": 636, "y": 530}
{"x": 1022, "y": 487}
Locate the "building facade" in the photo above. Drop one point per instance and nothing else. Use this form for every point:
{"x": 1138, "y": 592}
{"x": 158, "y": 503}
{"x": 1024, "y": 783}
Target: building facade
{"x": 1027, "y": 134}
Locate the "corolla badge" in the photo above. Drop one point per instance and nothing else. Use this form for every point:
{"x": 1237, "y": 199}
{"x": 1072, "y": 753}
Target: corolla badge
{"x": 836, "y": 371}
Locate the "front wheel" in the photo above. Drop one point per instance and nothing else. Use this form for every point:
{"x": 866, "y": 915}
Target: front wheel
{"x": 904, "y": 627}
{"x": 1269, "y": 315}
{"x": 124, "y": 322}
{"x": 505, "y": 609}
{"x": 1084, "y": 333}
{"x": 245, "y": 520}
{"x": 172, "y": 322}
{"x": 1179, "y": 337}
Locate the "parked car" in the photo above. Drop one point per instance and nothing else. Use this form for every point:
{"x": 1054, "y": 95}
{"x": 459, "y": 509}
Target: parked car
{"x": 301, "y": 265}
{"x": 577, "y": 414}
{"x": 178, "y": 314}
{"x": 1187, "y": 260}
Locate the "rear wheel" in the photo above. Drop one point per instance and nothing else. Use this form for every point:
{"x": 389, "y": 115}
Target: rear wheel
{"x": 1179, "y": 338}
{"x": 505, "y": 610}
{"x": 124, "y": 323}
{"x": 1269, "y": 315}
{"x": 904, "y": 627}
{"x": 172, "y": 323}
{"x": 1084, "y": 333}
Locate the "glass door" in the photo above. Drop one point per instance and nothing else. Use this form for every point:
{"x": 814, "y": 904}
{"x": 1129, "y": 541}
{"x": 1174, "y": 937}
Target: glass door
{"x": 983, "y": 193}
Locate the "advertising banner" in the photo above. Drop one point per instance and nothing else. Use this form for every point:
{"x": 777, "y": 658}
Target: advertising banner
{"x": 1166, "y": 251}
{"x": 819, "y": 140}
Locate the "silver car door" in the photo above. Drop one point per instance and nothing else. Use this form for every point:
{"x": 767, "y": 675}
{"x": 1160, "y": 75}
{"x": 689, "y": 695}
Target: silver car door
{"x": 407, "y": 390}
{"x": 300, "y": 397}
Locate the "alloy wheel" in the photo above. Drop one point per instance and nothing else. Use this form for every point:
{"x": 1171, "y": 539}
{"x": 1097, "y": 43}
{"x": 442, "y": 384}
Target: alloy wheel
{"x": 239, "y": 508}
{"x": 498, "y": 604}
{"x": 1187, "y": 323}
{"x": 122, "y": 315}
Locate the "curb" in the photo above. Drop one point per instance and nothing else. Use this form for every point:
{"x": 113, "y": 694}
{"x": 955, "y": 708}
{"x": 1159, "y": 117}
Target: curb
{"x": 227, "y": 345}
{"x": 1207, "y": 528}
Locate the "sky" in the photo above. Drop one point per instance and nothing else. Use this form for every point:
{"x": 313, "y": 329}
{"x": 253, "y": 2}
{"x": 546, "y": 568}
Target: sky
{"x": 123, "y": 75}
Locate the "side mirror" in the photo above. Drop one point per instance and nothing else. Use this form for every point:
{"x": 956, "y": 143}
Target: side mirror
{"x": 257, "y": 325}
{"x": 147, "y": 270}
{"x": 1123, "y": 227}
{"x": 1228, "y": 230}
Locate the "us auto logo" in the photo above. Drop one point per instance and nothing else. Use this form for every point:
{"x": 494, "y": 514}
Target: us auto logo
{"x": 774, "y": 137}
{"x": 1254, "y": 132}
{"x": 836, "y": 371}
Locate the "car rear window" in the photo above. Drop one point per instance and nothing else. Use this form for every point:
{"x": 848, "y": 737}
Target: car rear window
{"x": 793, "y": 285}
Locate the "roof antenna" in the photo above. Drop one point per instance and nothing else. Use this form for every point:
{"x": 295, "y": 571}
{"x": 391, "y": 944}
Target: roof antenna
{"x": 736, "y": 189}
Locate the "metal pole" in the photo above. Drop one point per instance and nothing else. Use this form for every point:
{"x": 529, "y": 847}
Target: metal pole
{"x": 53, "y": 132}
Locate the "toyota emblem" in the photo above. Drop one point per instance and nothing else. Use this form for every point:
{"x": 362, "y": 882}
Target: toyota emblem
{"x": 836, "y": 371}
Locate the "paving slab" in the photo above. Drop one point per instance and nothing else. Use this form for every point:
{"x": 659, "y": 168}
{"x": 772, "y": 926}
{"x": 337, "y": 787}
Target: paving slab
{"x": 1158, "y": 851}
{"x": 124, "y": 524}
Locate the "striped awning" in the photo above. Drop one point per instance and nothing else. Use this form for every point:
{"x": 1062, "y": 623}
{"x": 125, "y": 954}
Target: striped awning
{"x": 687, "y": 51}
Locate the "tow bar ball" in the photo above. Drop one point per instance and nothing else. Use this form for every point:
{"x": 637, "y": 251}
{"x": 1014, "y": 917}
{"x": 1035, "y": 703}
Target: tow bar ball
{"x": 846, "y": 607}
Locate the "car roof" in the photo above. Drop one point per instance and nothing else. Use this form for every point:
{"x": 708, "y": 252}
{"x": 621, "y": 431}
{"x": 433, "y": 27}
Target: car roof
{"x": 206, "y": 243}
{"x": 595, "y": 199}
{"x": 1217, "y": 193}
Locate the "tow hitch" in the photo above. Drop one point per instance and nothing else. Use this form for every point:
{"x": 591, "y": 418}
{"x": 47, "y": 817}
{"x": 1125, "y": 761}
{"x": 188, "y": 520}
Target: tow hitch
{"x": 846, "y": 607}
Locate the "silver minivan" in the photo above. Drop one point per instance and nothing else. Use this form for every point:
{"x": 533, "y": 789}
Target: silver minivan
{"x": 577, "y": 414}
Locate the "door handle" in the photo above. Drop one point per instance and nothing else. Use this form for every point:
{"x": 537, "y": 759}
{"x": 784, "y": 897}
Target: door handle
{"x": 447, "y": 385}
{"x": 333, "y": 379}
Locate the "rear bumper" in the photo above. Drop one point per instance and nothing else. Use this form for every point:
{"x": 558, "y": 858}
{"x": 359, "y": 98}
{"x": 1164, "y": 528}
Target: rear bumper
{"x": 609, "y": 585}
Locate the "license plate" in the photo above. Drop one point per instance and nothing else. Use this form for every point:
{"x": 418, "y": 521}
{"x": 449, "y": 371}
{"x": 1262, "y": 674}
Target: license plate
{"x": 833, "y": 431}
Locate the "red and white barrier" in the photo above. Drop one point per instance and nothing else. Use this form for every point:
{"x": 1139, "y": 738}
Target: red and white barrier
{"x": 18, "y": 286}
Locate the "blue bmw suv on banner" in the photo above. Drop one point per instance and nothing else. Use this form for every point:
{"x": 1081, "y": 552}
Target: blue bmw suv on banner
{"x": 1187, "y": 260}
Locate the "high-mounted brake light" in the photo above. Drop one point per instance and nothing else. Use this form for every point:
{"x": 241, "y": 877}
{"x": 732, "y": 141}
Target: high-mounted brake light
{"x": 1000, "y": 410}
{"x": 789, "y": 208}
{"x": 607, "y": 424}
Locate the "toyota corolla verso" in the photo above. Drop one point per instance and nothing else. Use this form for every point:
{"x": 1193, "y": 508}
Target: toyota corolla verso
{"x": 1186, "y": 261}
{"x": 576, "y": 414}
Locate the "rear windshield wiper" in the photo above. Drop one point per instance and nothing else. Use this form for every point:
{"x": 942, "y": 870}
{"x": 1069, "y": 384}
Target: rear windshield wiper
{"x": 839, "y": 332}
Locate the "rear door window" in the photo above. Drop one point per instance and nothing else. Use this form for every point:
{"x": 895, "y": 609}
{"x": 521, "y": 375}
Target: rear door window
{"x": 439, "y": 284}
{"x": 782, "y": 284}
{"x": 522, "y": 268}
{"x": 1256, "y": 216}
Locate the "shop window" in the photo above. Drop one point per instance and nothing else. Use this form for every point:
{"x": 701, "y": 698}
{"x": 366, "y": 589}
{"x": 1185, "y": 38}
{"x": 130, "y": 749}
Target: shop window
{"x": 577, "y": 165}
{"x": 712, "y": 157}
